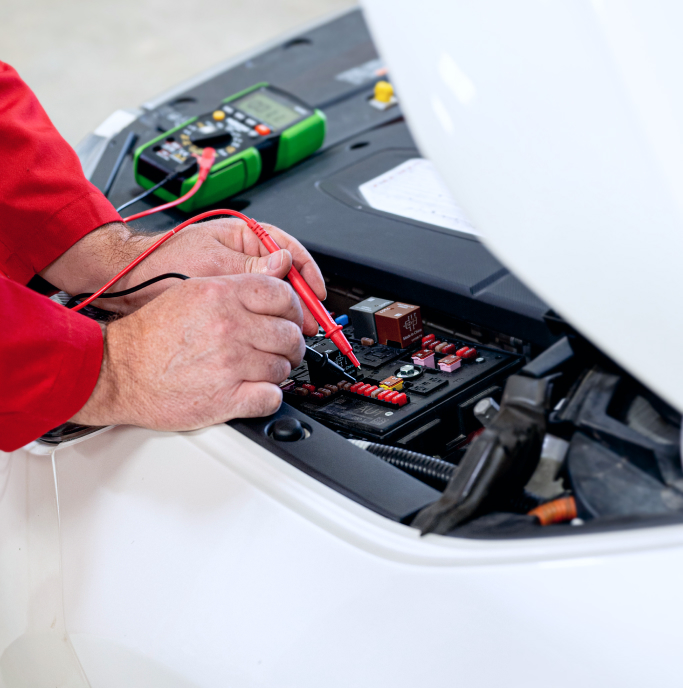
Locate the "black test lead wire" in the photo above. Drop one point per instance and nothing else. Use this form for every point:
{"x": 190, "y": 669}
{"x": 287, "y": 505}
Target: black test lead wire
{"x": 112, "y": 295}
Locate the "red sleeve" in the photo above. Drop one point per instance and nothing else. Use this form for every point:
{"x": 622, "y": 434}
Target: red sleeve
{"x": 46, "y": 204}
{"x": 50, "y": 358}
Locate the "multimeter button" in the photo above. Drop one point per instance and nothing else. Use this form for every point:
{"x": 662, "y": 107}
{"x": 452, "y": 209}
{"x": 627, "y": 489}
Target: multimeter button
{"x": 251, "y": 122}
{"x": 219, "y": 115}
{"x": 253, "y": 134}
{"x": 239, "y": 115}
{"x": 228, "y": 109}
{"x": 262, "y": 129}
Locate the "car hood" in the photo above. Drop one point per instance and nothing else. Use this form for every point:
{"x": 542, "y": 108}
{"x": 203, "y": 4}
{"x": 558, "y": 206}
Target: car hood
{"x": 557, "y": 127}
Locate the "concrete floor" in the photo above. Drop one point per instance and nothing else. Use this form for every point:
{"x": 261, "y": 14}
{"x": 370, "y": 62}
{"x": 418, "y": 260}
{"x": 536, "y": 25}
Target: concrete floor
{"x": 86, "y": 58}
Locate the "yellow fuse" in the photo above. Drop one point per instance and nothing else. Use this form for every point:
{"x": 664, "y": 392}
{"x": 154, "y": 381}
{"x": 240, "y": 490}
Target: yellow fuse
{"x": 384, "y": 92}
{"x": 392, "y": 382}
{"x": 219, "y": 115}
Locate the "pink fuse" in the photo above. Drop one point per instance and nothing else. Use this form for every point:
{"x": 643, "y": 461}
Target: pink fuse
{"x": 425, "y": 357}
{"x": 450, "y": 363}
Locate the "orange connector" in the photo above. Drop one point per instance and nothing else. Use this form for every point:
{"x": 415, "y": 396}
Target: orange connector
{"x": 557, "y": 511}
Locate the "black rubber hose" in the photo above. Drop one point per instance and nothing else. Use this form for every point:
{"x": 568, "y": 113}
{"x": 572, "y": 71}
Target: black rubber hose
{"x": 412, "y": 462}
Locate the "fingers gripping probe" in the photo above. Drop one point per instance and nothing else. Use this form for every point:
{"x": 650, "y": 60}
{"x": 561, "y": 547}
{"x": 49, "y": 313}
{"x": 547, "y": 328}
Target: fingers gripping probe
{"x": 332, "y": 329}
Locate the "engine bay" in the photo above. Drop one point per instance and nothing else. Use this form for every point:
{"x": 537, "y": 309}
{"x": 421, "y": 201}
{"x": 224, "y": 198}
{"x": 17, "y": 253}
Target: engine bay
{"x": 516, "y": 441}
{"x": 477, "y": 410}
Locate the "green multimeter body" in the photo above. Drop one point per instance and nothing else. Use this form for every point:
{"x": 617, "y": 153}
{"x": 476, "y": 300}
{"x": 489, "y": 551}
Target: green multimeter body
{"x": 257, "y": 132}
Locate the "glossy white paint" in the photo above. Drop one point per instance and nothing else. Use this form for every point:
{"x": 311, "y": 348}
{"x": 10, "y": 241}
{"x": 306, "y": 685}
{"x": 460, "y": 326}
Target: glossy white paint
{"x": 558, "y": 128}
{"x": 203, "y": 560}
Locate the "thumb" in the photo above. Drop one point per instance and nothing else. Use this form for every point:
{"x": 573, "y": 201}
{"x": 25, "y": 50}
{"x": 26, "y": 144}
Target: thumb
{"x": 277, "y": 264}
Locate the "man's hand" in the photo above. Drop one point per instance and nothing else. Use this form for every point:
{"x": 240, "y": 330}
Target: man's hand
{"x": 216, "y": 247}
{"x": 203, "y": 352}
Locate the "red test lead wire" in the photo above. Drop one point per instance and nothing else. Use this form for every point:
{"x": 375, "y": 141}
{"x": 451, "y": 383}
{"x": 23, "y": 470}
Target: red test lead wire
{"x": 332, "y": 330}
{"x": 205, "y": 161}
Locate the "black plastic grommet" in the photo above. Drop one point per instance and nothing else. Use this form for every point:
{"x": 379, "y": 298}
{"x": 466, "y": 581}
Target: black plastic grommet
{"x": 287, "y": 430}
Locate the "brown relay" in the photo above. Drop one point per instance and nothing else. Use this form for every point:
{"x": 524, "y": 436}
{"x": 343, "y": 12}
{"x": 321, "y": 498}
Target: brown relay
{"x": 400, "y": 323}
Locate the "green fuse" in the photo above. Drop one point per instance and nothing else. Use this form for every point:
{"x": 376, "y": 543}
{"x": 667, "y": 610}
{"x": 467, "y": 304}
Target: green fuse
{"x": 257, "y": 132}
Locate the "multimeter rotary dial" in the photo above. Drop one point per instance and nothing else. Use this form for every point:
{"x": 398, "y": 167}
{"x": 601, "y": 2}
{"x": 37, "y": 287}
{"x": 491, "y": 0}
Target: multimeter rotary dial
{"x": 215, "y": 139}
{"x": 219, "y": 135}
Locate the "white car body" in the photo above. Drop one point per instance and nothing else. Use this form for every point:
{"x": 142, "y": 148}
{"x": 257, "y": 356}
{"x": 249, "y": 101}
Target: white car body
{"x": 201, "y": 559}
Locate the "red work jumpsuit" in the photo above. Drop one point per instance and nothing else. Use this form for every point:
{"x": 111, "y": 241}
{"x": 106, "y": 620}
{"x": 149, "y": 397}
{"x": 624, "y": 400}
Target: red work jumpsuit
{"x": 49, "y": 357}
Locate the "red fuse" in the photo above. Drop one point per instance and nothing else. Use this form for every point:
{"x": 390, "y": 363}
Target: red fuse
{"x": 432, "y": 345}
{"x": 401, "y": 399}
{"x": 427, "y": 339}
{"x": 355, "y": 387}
{"x": 383, "y": 395}
{"x": 448, "y": 349}
{"x": 370, "y": 389}
{"x": 362, "y": 388}
{"x": 391, "y": 396}
{"x": 310, "y": 388}
{"x": 317, "y": 395}
{"x": 466, "y": 352}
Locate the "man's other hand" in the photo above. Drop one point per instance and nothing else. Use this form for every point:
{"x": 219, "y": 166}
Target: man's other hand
{"x": 203, "y": 352}
{"x": 224, "y": 246}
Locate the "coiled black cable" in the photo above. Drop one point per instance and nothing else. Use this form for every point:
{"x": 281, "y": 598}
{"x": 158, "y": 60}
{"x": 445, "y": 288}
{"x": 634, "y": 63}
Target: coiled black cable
{"x": 410, "y": 461}
{"x": 112, "y": 295}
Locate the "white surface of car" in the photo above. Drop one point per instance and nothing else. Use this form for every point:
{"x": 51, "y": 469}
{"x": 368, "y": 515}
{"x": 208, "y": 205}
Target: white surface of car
{"x": 201, "y": 559}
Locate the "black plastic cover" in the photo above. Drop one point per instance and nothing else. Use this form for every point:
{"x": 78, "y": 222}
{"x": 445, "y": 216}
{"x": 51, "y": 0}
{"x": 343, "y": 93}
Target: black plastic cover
{"x": 334, "y": 461}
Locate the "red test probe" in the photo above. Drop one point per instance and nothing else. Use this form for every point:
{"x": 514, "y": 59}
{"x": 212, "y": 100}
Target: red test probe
{"x": 332, "y": 330}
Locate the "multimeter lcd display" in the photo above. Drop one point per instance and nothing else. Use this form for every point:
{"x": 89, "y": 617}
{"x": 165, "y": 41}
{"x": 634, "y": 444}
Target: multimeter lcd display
{"x": 269, "y": 111}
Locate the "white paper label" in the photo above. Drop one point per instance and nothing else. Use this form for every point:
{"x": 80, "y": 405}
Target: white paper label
{"x": 415, "y": 190}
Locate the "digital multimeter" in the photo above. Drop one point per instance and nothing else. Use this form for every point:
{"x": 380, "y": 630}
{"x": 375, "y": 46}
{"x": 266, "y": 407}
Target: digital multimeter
{"x": 256, "y": 133}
